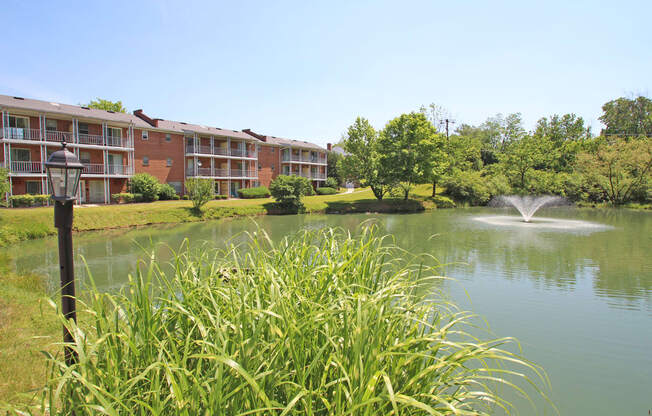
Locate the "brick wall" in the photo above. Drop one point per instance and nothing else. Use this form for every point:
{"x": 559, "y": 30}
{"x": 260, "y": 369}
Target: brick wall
{"x": 158, "y": 150}
{"x": 267, "y": 157}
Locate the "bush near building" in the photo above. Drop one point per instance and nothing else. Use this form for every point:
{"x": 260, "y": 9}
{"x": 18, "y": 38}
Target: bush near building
{"x": 166, "y": 192}
{"x": 326, "y": 190}
{"x": 200, "y": 191}
{"x": 331, "y": 183}
{"x": 145, "y": 184}
{"x": 28, "y": 200}
{"x": 252, "y": 193}
{"x": 288, "y": 191}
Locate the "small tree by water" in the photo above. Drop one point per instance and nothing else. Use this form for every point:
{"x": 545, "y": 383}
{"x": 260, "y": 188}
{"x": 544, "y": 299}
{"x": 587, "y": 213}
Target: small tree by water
{"x": 200, "y": 191}
{"x": 288, "y": 191}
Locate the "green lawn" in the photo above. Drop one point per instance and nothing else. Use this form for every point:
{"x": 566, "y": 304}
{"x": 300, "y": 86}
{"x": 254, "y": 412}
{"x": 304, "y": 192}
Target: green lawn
{"x": 29, "y": 223}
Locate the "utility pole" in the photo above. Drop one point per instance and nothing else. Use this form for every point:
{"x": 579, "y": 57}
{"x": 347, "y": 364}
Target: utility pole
{"x": 447, "y": 121}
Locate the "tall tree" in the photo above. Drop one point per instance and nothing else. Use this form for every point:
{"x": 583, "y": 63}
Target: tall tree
{"x": 618, "y": 167}
{"x": 107, "y": 105}
{"x": 499, "y": 131}
{"x": 409, "y": 147}
{"x": 523, "y": 155}
{"x": 437, "y": 115}
{"x": 362, "y": 161}
{"x": 562, "y": 128}
{"x": 627, "y": 117}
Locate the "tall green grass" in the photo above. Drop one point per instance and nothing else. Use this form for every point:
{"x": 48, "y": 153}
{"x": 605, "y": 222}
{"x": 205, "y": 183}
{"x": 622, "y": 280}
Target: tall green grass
{"x": 322, "y": 323}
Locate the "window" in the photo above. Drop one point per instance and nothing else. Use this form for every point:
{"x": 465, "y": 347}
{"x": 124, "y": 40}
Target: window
{"x": 50, "y": 125}
{"x": 145, "y": 161}
{"x": 85, "y": 157}
{"x": 168, "y": 138}
{"x": 169, "y": 162}
{"x": 20, "y": 155}
{"x": 83, "y": 128}
{"x": 260, "y": 166}
{"x": 145, "y": 135}
{"x": 114, "y": 132}
{"x": 33, "y": 187}
{"x": 19, "y": 122}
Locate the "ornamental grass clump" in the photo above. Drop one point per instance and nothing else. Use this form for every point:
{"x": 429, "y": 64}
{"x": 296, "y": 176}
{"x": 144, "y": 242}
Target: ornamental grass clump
{"x": 322, "y": 323}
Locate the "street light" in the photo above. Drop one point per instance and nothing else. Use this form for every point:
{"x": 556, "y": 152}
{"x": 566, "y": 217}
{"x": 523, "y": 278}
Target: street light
{"x": 63, "y": 170}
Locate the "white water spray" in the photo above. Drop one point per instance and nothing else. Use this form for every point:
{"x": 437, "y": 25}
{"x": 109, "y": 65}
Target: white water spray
{"x": 527, "y": 205}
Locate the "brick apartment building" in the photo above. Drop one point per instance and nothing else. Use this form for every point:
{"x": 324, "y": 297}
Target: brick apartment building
{"x": 114, "y": 146}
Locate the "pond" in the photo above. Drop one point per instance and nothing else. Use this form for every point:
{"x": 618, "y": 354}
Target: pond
{"x": 579, "y": 299}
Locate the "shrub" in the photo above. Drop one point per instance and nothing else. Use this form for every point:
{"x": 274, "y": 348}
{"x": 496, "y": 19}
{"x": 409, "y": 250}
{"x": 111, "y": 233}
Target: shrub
{"x": 200, "y": 191}
{"x": 166, "y": 192}
{"x": 186, "y": 197}
{"x": 331, "y": 183}
{"x": 251, "y": 193}
{"x": 334, "y": 319}
{"x": 288, "y": 191}
{"x": 326, "y": 191}
{"x": 443, "y": 202}
{"x": 124, "y": 197}
{"x": 467, "y": 187}
{"x": 145, "y": 184}
{"x": 219, "y": 196}
{"x": 28, "y": 200}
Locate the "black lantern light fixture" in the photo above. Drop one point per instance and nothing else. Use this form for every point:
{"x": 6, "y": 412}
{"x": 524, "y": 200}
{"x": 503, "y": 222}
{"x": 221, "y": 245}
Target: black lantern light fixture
{"x": 63, "y": 171}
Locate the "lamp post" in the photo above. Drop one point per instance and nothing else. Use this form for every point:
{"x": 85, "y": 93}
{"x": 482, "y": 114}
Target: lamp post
{"x": 63, "y": 171}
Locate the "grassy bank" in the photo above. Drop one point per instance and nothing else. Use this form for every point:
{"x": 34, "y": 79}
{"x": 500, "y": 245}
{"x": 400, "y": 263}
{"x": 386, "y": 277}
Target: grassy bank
{"x": 28, "y": 326}
{"x": 322, "y": 323}
{"x": 30, "y": 223}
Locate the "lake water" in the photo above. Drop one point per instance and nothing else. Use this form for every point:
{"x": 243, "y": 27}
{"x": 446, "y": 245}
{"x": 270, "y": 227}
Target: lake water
{"x": 579, "y": 299}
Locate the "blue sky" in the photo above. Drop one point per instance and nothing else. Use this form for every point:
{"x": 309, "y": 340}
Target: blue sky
{"x": 306, "y": 69}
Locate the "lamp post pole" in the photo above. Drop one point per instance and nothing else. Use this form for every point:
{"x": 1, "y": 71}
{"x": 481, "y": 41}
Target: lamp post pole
{"x": 63, "y": 222}
{"x": 63, "y": 171}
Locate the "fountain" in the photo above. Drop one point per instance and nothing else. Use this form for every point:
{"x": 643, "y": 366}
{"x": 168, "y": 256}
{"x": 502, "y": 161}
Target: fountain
{"x": 527, "y": 205}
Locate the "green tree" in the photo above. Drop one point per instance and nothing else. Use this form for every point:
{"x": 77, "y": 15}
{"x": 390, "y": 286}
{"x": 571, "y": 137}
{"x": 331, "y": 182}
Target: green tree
{"x": 5, "y": 187}
{"x": 618, "y": 168}
{"x": 562, "y": 128}
{"x": 333, "y": 161}
{"x": 523, "y": 155}
{"x": 288, "y": 191}
{"x": 362, "y": 162}
{"x": 627, "y": 117}
{"x": 146, "y": 185}
{"x": 410, "y": 148}
{"x": 107, "y": 105}
{"x": 200, "y": 191}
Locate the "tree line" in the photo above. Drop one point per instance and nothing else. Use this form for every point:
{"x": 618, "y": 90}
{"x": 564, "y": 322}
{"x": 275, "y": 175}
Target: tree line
{"x": 560, "y": 156}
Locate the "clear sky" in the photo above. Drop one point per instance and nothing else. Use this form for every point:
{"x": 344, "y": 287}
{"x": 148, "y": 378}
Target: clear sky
{"x": 305, "y": 70}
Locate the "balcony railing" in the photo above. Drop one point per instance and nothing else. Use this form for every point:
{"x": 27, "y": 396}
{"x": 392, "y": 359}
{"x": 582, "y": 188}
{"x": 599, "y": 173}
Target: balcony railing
{"x": 219, "y": 151}
{"x": 58, "y": 136}
{"x": 115, "y": 141}
{"x": 16, "y": 133}
{"x": 93, "y": 139}
{"x": 303, "y": 159}
{"x": 222, "y": 173}
{"x": 93, "y": 169}
{"x": 319, "y": 176}
{"x": 27, "y": 167}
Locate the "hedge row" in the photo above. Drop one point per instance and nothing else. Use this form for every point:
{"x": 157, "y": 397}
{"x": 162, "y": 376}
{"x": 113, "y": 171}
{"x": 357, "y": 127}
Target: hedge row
{"x": 28, "y": 200}
{"x": 251, "y": 193}
{"x": 326, "y": 191}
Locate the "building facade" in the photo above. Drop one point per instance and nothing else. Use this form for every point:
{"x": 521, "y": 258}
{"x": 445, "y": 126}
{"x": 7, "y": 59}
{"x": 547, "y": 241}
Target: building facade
{"x": 115, "y": 146}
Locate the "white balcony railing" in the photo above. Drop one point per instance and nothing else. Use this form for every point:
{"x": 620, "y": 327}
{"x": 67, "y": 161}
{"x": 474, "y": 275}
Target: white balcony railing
{"x": 318, "y": 176}
{"x": 93, "y": 169}
{"x": 58, "y": 136}
{"x": 221, "y": 151}
{"x": 222, "y": 173}
{"x": 93, "y": 139}
{"x": 115, "y": 141}
{"x": 16, "y": 133}
{"x": 27, "y": 167}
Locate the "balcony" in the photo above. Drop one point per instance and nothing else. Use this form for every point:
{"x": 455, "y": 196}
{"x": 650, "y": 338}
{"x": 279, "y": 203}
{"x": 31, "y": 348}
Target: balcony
{"x": 222, "y": 173}
{"x": 93, "y": 139}
{"x": 16, "y": 133}
{"x": 219, "y": 151}
{"x": 303, "y": 159}
{"x": 116, "y": 141}
{"x": 58, "y": 136}
{"x": 27, "y": 167}
{"x": 109, "y": 170}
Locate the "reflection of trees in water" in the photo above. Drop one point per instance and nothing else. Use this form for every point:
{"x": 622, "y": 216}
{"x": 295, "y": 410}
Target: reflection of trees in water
{"x": 617, "y": 261}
